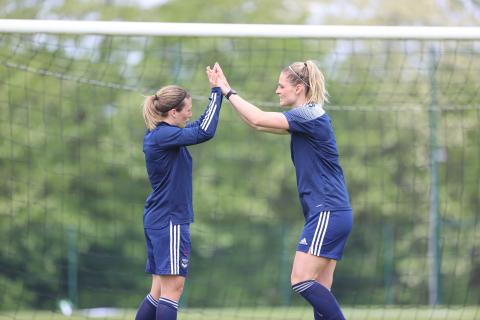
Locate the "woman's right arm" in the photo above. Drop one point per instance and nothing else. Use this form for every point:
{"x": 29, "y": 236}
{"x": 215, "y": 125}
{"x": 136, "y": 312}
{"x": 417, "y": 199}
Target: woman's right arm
{"x": 197, "y": 132}
{"x": 215, "y": 98}
{"x": 273, "y": 122}
{"x": 261, "y": 129}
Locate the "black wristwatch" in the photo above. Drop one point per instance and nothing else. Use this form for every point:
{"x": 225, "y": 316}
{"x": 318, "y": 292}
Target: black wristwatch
{"x": 229, "y": 93}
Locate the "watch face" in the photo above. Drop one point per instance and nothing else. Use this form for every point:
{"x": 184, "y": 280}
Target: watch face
{"x": 230, "y": 93}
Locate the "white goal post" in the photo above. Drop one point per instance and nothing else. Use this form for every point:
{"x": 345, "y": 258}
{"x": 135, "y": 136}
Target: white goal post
{"x": 238, "y": 30}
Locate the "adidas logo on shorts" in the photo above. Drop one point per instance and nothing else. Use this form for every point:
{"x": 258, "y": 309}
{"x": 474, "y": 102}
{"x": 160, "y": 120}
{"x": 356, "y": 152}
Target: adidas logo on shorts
{"x": 304, "y": 242}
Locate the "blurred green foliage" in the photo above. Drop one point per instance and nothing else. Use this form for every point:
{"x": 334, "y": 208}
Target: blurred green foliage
{"x": 71, "y": 157}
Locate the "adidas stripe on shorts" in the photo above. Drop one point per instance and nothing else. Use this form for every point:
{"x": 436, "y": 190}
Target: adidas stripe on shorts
{"x": 168, "y": 250}
{"x": 325, "y": 234}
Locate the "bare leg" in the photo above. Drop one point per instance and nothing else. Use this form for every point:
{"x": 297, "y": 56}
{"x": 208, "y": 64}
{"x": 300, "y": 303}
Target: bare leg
{"x": 309, "y": 267}
{"x": 312, "y": 278}
{"x": 171, "y": 287}
{"x": 156, "y": 290}
{"x": 148, "y": 308}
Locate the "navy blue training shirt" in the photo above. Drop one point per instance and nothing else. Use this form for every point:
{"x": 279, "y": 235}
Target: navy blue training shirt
{"x": 320, "y": 182}
{"x": 169, "y": 166}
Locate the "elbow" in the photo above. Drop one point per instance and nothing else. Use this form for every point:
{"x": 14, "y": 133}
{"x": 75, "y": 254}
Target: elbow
{"x": 255, "y": 123}
{"x": 205, "y": 136}
{"x": 257, "y": 119}
{"x": 257, "y": 128}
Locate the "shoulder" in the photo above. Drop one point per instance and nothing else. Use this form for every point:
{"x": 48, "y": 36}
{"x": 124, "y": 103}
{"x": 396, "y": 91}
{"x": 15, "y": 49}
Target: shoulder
{"x": 305, "y": 113}
{"x": 164, "y": 131}
{"x": 166, "y": 128}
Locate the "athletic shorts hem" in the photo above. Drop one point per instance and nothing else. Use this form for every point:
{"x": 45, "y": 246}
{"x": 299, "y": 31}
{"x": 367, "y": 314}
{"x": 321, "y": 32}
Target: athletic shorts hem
{"x": 328, "y": 256}
{"x": 164, "y": 273}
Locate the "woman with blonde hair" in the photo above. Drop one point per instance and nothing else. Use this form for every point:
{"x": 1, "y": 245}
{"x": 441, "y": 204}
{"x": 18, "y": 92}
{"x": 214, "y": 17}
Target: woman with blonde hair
{"x": 168, "y": 210}
{"x": 322, "y": 190}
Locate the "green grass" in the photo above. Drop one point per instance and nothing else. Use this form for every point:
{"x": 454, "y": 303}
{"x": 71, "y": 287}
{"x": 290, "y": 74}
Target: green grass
{"x": 281, "y": 313}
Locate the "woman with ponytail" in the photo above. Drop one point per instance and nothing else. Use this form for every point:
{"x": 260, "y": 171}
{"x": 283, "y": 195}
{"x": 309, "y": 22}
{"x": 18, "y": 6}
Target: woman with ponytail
{"x": 323, "y": 193}
{"x": 168, "y": 210}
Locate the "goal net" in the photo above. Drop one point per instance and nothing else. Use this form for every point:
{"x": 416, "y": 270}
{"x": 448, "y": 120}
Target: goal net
{"x": 406, "y": 114}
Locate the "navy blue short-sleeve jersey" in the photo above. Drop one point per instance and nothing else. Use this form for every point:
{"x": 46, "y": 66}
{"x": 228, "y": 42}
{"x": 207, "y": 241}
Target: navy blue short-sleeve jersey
{"x": 169, "y": 166}
{"x": 320, "y": 181}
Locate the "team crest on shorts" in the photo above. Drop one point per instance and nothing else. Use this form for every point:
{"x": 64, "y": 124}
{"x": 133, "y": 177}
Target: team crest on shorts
{"x": 184, "y": 263}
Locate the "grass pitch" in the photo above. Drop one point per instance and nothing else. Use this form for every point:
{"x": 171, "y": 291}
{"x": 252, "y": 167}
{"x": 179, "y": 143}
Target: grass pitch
{"x": 265, "y": 313}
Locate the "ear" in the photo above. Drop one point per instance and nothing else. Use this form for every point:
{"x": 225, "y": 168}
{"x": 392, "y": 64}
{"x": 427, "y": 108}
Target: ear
{"x": 299, "y": 88}
{"x": 173, "y": 113}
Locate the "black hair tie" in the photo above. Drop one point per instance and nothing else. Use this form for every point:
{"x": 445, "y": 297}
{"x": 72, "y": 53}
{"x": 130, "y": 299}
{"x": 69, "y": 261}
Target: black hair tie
{"x": 180, "y": 101}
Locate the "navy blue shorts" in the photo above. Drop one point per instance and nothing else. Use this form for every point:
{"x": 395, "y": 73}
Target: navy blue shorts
{"x": 325, "y": 234}
{"x": 168, "y": 250}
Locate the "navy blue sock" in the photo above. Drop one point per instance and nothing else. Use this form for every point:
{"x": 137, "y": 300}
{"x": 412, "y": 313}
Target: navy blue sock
{"x": 147, "y": 309}
{"x": 166, "y": 309}
{"x": 321, "y": 299}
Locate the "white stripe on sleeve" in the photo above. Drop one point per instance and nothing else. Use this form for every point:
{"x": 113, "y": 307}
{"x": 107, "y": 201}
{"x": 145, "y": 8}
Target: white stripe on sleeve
{"x": 209, "y": 110}
{"x": 210, "y": 116}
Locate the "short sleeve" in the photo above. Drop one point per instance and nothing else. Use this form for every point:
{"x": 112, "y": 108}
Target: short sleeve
{"x": 299, "y": 119}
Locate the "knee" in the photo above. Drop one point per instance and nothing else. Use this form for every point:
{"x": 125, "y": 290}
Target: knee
{"x": 173, "y": 290}
{"x": 177, "y": 289}
{"x": 156, "y": 293}
{"x": 297, "y": 277}
{"x": 325, "y": 280}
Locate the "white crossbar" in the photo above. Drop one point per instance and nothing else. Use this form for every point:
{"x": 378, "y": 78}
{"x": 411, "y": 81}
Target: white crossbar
{"x": 237, "y": 30}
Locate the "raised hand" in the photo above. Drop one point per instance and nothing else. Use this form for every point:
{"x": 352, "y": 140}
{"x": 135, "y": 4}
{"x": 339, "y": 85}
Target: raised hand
{"x": 212, "y": 77}
{"x": 222, "y": 80}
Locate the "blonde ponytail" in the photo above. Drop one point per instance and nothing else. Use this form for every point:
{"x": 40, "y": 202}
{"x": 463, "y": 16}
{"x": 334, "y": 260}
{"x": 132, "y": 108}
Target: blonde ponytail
{"x": 308, "y": 74}
{"x": 156, "y": 107}
{"x": 150, "y": 115}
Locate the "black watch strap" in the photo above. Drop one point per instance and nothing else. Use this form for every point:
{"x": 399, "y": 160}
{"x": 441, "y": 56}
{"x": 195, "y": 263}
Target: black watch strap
{"x": 229, "y": 93}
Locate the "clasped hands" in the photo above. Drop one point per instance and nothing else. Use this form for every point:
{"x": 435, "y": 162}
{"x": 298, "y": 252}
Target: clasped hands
{"x": 217, "y": 78}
